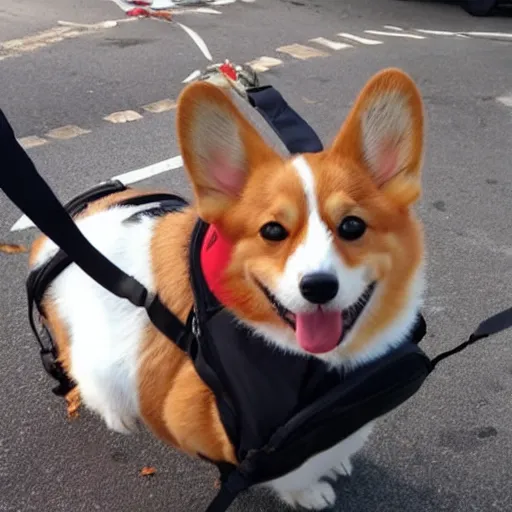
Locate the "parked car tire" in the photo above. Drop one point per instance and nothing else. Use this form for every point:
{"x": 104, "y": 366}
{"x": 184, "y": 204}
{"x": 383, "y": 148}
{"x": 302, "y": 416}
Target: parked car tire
{"x": 479, "y": 7}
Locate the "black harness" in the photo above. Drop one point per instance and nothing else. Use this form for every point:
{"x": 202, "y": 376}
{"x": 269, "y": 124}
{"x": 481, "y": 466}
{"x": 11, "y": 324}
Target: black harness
{"x": 301, "y": 407}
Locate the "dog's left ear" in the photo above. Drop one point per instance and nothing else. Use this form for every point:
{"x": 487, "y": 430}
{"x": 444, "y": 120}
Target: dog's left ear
{"x": 220, "y": 148}
{"x": 384, "y": 134}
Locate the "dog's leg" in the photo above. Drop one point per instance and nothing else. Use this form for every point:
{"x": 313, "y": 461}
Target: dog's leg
{"x": 305, "y": 486}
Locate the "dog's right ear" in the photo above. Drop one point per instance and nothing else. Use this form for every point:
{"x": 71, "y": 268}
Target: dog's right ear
{"x": 220, "y": 148}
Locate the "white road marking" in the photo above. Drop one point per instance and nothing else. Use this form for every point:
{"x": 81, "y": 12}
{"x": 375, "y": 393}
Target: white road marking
{"x": 101, "y": 24}
{"x": 170, "y": 164}
{"x": 160, "y": 106}
{"x": 436, "y": 32}
{"x": 358, "y": 39}
{"x": 69, "y": 131}
{"x": 206, "y": 10}
{"x": 394, "y": 34}
{"x": 504, "y": 35}
{"x": 32, "y": 141}
{"x": 506, "y": 100}
{"x": 333, "y": 45}
{"x": 22, "y": 223}
{"x": 151, "y": 170}
{"x": 392, "y": 27}
{"x": 302, "y": 52}
{"x": 264, "y": 64}
{"x": 15, "y": 47}
{"x": 195, "y": 74}
{"x": 198, "y": 40}
{"x": 124, "y": 116}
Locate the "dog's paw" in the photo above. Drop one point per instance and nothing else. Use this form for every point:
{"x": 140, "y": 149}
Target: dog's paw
{"x": 344, "y": 468}
{"x": 317, "y": 497}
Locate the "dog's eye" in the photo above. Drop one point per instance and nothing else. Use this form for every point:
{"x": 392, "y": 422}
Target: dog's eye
{"x": 351, "y": 228}
{"x": 273, "y": 231}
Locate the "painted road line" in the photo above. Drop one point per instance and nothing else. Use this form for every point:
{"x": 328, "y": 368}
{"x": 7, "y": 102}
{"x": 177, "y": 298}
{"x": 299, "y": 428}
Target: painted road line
{"x": 264, "y": 64}
{"x": 15, "y": 47}
{"x": 393, "y": 27}
{"x": 123, "y": 116}
{"x": 195, "y": 74}
{"x": 170, "y": 164}
{"x": 436, "y": 32}
{"x": 203, "y": 10}
{"x": 333, "y": 45}
{"x": 394, "y": 34}
{"x": 22, "y": 223}
{"x": 151, "y": 170}
{"x": 198, "y": 40}
{"x": 28, "y": 41}
{"x": 505, "y": 100}
{"x": 358, "y": 39}
{"x": 160, "y": 106}
{"x": 69, "y": 131}
{"x": 101, "y": 24}
{"x": 302, "y": 52}
{"x": 492, "y": 35}
{"x": 32, "y": 141}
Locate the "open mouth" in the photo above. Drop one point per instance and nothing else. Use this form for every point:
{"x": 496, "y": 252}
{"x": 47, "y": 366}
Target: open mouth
{"x": 321, "y": 331}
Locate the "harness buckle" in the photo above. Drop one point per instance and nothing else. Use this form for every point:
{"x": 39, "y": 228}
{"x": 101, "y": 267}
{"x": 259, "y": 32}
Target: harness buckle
{"x": 196, "y": 329}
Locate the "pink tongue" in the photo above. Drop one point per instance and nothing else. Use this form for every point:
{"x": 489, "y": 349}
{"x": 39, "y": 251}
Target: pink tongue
{"x": 319, "y": 331}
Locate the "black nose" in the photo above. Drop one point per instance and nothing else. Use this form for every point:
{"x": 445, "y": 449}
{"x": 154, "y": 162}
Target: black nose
{"x": 319, "y": 287}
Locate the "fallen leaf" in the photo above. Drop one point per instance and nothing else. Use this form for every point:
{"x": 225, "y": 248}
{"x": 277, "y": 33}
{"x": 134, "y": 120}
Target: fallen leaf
{"x": 12, "y": 248}
{"x": 166, "y": 15}
{"x": 147, "y": 471}
{"x": 73, "y": 404}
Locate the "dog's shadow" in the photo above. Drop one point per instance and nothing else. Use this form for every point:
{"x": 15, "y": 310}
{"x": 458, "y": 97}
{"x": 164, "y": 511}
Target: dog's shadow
{"x": 371, "y": 487}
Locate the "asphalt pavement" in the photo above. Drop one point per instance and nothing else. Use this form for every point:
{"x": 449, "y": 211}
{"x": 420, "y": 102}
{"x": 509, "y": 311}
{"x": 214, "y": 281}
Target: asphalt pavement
{"x": 446, "y": 449}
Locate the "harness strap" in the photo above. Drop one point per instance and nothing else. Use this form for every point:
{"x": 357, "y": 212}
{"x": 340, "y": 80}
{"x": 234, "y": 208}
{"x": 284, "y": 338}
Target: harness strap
{"x": 79, "y": 203}
{"x": 234, "y": 484}
{"x": 296, "y": 134}
{"x": 492, "y": 325}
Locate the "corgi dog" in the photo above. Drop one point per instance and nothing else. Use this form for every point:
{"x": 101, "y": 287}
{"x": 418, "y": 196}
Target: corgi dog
{"x": 310, "y": 232}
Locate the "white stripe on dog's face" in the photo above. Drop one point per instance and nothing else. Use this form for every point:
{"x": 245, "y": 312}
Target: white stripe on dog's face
{"x": 316, "y": 253}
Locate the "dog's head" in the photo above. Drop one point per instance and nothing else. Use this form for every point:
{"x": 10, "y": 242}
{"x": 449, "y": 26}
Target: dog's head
{"x": 326, "y": 253}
